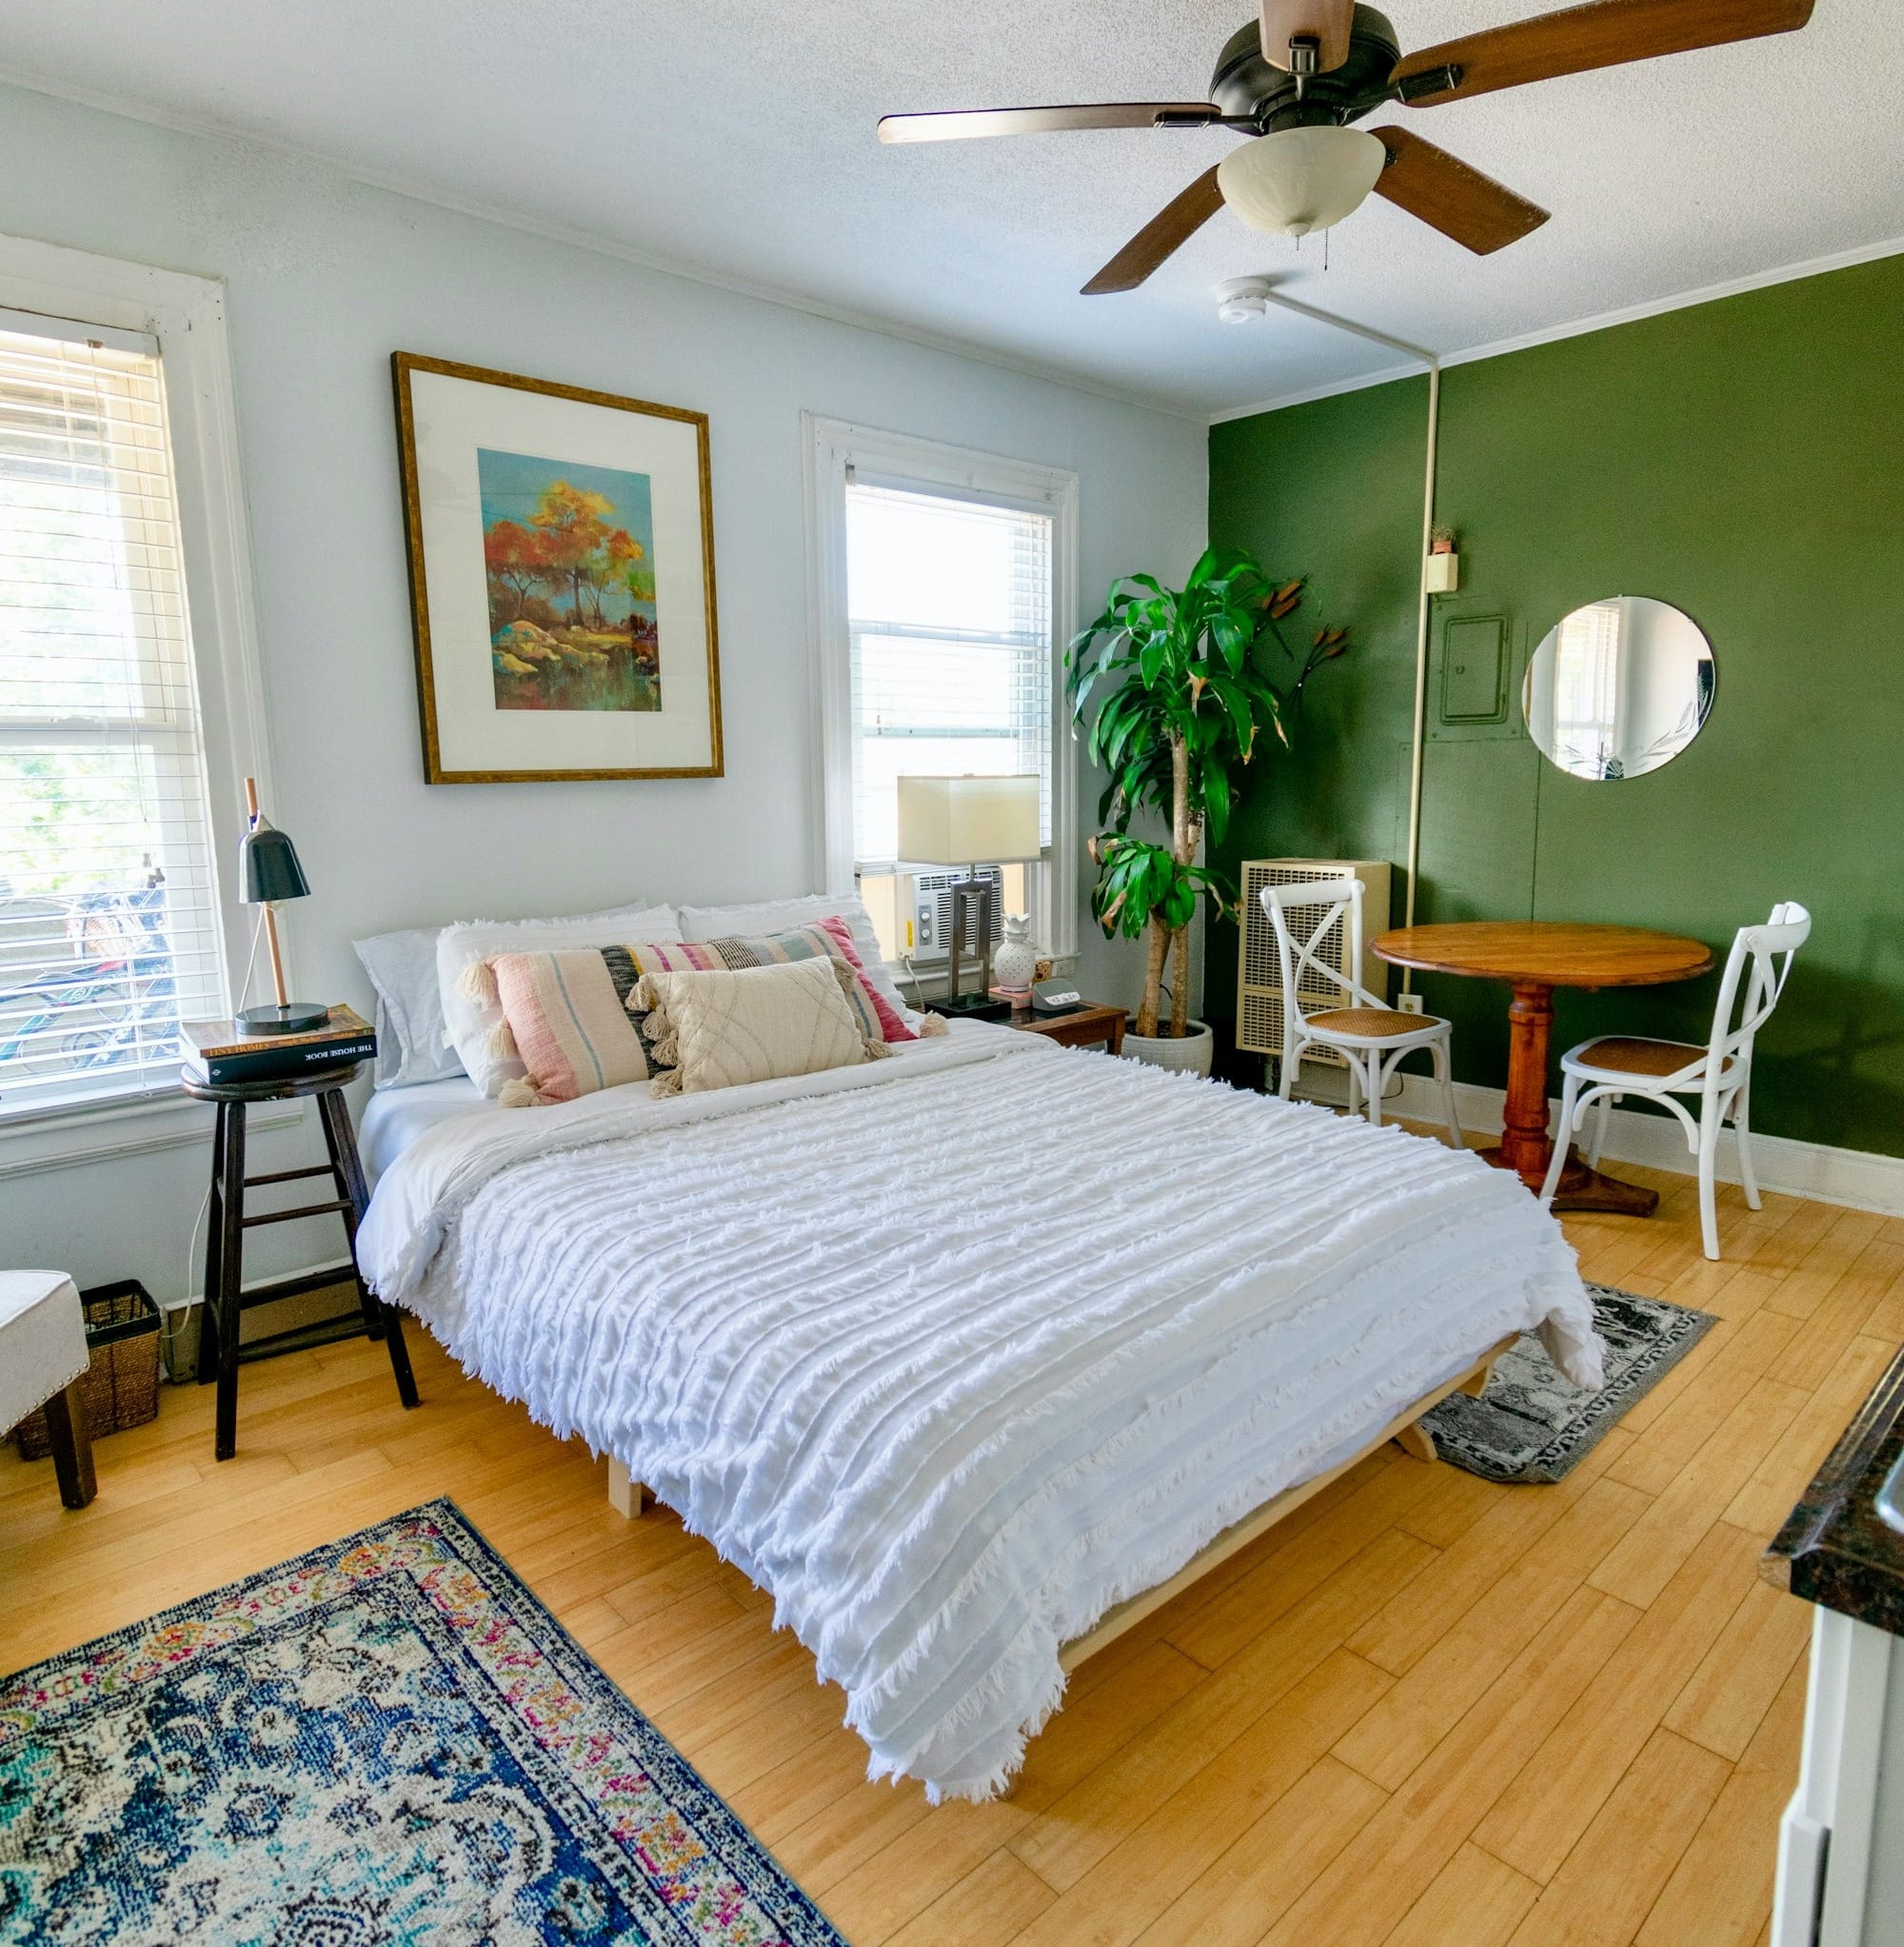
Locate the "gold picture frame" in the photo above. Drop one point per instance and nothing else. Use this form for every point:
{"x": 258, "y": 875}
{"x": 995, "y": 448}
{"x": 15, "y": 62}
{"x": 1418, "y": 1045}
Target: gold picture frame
{"x": 510, "y": 675}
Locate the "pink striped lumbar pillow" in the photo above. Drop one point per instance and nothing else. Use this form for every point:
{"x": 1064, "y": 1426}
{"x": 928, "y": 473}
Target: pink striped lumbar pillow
{"x": 565, "y": 1018}
{"x": 825, "y": 939}
{"x": 891, "y": 1028}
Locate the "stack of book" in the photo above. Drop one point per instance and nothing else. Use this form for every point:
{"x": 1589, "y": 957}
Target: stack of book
{"x": 217, "y": 1053}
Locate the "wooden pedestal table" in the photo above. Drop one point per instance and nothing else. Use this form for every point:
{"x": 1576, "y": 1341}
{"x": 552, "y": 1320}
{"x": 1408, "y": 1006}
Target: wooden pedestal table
{"x": 1534, "y": 957}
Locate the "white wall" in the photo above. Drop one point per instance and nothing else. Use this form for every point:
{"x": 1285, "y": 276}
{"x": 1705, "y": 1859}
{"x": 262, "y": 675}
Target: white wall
{"x": 327, "y": 277}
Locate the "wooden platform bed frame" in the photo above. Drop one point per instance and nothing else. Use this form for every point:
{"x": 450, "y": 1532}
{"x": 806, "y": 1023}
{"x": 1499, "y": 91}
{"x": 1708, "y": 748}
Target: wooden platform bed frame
{"x": 630, "y": 1498}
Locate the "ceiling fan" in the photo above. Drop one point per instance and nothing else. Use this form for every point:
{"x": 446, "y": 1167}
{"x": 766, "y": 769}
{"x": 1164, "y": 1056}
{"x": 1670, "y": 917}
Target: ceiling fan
{"x": 1296, "y": 79}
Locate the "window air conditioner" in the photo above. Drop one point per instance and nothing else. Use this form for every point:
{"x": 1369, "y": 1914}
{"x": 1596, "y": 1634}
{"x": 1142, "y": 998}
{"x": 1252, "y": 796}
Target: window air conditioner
{"x": 932, "y": 913}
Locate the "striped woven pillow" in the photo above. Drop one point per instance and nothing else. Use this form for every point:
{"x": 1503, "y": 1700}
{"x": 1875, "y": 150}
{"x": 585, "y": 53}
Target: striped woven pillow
{"x": 828, "y": 937}
{"x": 575, "y": 1019}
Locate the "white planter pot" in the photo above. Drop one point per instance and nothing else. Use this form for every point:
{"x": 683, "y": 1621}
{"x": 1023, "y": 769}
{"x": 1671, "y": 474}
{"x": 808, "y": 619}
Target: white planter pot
{"x": 1190, "y": 1054}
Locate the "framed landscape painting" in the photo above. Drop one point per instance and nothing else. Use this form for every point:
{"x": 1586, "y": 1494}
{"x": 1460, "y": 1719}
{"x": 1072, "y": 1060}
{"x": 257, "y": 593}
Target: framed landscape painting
{"x": 561, "y": 579}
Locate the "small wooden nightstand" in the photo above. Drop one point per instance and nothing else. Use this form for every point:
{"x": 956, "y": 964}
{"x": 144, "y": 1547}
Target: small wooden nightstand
{"x": 1083, "y": 1027}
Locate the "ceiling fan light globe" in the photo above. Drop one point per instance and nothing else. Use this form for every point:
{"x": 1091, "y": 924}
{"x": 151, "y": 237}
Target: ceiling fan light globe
{"x": 1301, "y": 179}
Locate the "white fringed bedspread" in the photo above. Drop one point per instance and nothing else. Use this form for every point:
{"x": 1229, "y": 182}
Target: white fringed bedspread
{"x": 955, "y": 1352}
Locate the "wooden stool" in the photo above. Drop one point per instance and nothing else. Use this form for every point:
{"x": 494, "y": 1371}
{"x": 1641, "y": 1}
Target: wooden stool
{"x": 225, "y": 1300}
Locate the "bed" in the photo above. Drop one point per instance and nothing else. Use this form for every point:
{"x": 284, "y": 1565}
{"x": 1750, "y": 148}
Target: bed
{"x": 971, "y": 1355}
{"x": 395, "y": 1118}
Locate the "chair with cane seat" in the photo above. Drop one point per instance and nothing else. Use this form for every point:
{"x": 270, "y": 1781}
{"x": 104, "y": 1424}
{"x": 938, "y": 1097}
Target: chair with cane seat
{"x": 1371, "y": 1037}
{"x": 1719, "y": 1074}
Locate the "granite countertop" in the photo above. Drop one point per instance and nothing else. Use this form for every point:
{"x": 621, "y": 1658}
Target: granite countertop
{"x": 1838, "y": 1548}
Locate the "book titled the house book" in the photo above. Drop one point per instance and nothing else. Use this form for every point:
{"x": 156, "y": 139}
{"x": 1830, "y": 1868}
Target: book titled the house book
{"x": 217, "y": 1053}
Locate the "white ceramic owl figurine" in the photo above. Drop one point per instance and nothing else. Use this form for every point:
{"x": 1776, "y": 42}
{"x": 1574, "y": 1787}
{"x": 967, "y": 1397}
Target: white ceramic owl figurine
{"x": 1016, "y": 959}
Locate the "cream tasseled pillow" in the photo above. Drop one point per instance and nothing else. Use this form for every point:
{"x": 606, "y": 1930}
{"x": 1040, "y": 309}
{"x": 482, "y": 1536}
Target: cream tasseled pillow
{"x": 721, "y": 1027}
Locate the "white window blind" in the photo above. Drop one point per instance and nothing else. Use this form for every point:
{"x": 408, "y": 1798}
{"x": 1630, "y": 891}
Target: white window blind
{"x": 109, "y": 920}
{"x": 949, "y": 620}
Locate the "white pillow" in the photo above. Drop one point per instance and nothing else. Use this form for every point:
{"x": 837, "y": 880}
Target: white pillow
{"x": 412, "y": 1045}
{"x": 471, "y": 1017}
{"x": 784, "y": 915}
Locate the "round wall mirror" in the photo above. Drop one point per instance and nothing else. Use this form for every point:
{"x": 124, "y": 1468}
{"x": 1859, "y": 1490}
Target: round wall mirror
{"x": 1620, "y": 688}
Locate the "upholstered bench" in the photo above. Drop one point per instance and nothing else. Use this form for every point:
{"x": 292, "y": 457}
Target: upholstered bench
{"x": 43, "y": 1360}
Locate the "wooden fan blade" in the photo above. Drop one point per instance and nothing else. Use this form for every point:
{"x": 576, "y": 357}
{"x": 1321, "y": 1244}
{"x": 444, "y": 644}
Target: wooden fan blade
{"x": 1325, "y": 22}
{"x": 1601, "y": 34}
{"x": 958, "y": 125}
{"x": 1168, "y": 230}
{"x": 1452, "y": 197}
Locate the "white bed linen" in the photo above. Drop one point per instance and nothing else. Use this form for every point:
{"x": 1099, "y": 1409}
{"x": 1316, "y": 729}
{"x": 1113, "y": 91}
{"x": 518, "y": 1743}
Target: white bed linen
{"x": 394, "y": 1117}
{"x": 954, "y": 1353}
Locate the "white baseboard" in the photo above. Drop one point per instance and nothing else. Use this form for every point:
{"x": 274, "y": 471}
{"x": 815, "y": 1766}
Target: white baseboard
{"x": 181, "y": 1318}
{"x": 1852, "y": 1176}
{"x": 342, "y": 1267}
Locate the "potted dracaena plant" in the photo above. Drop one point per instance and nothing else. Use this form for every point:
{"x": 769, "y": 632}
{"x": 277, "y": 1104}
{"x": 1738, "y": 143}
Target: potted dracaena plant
{"x": 1173, "y": 690}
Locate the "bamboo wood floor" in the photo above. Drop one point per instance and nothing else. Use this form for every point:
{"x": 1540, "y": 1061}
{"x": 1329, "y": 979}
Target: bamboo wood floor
{"x": 1426, "y": 1711}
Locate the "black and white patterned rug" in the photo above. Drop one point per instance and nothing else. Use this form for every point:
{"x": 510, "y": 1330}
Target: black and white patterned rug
{"x": 1532, "y": 1424}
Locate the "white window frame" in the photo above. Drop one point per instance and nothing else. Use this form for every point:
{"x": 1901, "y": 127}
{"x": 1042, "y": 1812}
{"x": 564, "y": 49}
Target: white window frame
{"x": 187, "y": 316}
{"x": 835, "y": 448}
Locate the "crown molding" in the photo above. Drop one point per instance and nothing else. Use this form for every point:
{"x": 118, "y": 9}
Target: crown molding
{"x": 207, "y": 128}
{"x": 1580, "y": 327}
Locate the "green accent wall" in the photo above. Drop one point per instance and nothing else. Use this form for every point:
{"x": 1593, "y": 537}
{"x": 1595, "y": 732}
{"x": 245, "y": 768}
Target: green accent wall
{"x": 1742, "y": 459}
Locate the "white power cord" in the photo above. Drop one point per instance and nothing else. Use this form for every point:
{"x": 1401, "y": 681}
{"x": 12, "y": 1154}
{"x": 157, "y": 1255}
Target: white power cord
{"x": 176, "y": 1317}
{"x": 245, "y": 985}
{"x": 169, "y": 1332}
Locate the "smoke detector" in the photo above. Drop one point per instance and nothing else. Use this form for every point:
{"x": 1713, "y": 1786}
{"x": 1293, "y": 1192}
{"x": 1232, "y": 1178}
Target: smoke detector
{"x": 1240, "y": 299}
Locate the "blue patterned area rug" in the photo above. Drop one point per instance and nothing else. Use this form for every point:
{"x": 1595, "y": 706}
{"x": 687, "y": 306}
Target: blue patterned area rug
{"x": 1530, "y": 1424}
{"x": 387, "y": 1740}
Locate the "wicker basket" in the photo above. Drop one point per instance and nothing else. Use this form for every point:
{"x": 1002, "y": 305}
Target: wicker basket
{"x": 121, "y": 1384}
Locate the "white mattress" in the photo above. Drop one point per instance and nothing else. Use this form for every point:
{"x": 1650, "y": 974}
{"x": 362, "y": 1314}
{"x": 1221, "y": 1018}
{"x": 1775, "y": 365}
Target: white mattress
{"x": 396, "y": 1117}
{"x": 954, "y": 1352}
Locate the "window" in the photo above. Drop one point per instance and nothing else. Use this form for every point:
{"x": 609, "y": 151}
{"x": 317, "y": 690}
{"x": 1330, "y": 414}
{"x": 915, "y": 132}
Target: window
{"x": 948, "y": 611}
{"x": 110, "y": 932}
{"x": 129, "y": 698}
{"x": 942, "y": 609}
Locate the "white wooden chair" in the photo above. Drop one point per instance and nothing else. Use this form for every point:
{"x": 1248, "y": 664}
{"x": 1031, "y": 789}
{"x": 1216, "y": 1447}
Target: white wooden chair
{"x": 1374, "y": 1038}
{"x": 1720, "y": 1073}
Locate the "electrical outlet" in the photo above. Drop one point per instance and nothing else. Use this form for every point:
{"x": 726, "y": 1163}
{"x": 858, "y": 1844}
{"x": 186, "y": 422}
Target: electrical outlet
{"x": 1409, "y": 1004}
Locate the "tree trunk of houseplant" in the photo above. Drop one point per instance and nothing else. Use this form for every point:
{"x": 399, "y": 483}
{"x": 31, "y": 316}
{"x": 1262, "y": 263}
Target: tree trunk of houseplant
{"x": 1158, "y": 945}
{"x": 1183, "y": 849}
{"x": 1185, "y": 1045}
{"x": 1179, "y": 984}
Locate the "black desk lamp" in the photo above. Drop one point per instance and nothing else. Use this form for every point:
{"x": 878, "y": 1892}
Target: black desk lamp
{"x": 269, "y": 872}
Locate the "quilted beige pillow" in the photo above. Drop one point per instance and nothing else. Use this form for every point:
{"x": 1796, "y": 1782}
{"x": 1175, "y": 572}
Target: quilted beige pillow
{"x": 719, "y": 1027}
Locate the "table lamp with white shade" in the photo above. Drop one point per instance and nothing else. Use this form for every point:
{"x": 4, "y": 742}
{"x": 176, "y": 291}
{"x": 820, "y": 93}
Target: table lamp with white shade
{"x": 969, "y": 821}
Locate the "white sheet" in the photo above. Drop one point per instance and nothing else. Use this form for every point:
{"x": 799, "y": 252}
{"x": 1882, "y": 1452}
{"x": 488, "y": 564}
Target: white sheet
{"x": 953, "y": 1353}
{"x": 394, "y": 1117}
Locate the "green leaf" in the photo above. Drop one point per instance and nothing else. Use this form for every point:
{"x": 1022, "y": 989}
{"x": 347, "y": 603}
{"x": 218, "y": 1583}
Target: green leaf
{"x": 1236, "y": 701}
{"x": 1217, "y": 801}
